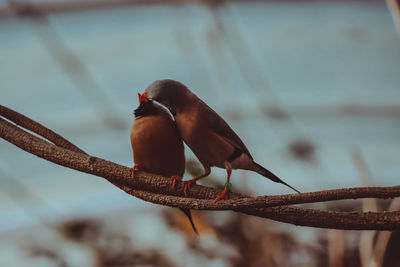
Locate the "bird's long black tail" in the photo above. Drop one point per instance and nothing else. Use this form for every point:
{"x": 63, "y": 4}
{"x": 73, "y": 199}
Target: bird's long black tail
{"x": 264, "y": 172}
{"x": 189, "y": 215}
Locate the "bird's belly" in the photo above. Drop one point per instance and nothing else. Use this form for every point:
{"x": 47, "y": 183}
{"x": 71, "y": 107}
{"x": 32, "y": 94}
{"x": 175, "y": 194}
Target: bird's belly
{"x": 158, "y": 152}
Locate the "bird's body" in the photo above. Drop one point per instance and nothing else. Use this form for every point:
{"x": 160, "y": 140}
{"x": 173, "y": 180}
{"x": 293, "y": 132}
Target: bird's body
{"x": 156, "y": 144}
{"x": 210, "y": 138}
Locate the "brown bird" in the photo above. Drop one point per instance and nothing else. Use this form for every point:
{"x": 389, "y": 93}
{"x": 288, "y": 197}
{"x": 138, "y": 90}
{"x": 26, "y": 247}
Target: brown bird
{"x": 156, "y": 144}
{"x": 210, "y": 138}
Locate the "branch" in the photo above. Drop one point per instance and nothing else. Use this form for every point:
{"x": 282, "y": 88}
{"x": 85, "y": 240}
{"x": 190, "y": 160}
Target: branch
{"x": 158, "y": 189}
{"x": 36, "y": 127}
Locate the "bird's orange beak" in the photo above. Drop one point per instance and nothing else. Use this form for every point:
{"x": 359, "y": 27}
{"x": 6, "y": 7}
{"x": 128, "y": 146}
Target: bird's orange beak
{"x": 142, "y": 97}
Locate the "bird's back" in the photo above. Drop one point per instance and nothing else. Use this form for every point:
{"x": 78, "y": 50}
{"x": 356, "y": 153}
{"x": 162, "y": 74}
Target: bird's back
{"x": 198, "y": 119}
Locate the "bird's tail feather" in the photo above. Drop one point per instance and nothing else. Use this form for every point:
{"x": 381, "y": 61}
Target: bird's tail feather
{"x": 189, "y": 216}
{"x": 263, "y": 171}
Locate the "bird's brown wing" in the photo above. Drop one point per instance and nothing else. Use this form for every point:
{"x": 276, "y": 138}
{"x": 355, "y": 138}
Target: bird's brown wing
{"x": 218, "y": 125}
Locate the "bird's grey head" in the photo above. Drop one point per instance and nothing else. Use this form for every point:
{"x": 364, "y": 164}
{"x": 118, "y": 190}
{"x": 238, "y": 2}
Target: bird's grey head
{"x": 170, "y": 93}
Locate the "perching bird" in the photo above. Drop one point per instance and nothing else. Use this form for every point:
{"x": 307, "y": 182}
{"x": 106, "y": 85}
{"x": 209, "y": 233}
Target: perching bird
{"x": 156, "y": 144}
{"x": 206, "y": 133}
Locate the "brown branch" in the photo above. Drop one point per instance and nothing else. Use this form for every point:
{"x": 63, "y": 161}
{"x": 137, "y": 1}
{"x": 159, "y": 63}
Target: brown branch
{"x": 322, "y": 196}
{"x": 37, "y": 128}
{"x": 158, "y": 190}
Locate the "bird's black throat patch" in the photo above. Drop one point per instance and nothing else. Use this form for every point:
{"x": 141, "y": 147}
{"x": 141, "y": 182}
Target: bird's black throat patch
{"x": 146, "y": 108}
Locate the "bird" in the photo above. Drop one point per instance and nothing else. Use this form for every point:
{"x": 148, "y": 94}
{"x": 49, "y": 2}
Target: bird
{"x": 206, "y": 133}
{"x": 156, "y": 144}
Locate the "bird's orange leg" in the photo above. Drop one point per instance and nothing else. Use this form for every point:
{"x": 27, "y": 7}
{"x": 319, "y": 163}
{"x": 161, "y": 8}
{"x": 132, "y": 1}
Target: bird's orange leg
{"x": 174, "y": 178}
{"x": 227, "y": 185}
{"x": 188, "y": 183}
{"x": 134, "y": 169}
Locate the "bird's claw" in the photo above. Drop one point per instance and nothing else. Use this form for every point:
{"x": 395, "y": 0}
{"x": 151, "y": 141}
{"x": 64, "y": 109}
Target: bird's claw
{"x": 174, "y": 179}
{"x": 224, "y": 193}
{"x": 186, "y": 186}
{"x": 133, "y": 170}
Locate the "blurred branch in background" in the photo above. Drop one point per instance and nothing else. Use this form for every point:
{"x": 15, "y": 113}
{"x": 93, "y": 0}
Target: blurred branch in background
{"x": 336, "y": 247}
{"x": 371, "y": 252}
{"x": 158, "y": 189}
{"x": 229, "y": 36}
{"x": 394, "y": 8}
{"x": 366, "y": 242}
{"x": 70, "y": 63}
{"x": 47, "y": 7}
{"x": 19, "y": 193}
{"x": 383, "y": 237}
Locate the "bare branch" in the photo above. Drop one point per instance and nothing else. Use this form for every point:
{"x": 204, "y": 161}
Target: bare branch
{"x": 37, "y": 128}
{"x": 321, "y": 196}
{"x": 158, "y": 189}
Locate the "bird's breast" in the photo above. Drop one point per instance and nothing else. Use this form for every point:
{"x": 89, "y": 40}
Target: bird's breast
{"x": 157, "y": 146}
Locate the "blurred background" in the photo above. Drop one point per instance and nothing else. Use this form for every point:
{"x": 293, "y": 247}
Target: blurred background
{"x": 311, "y": 87}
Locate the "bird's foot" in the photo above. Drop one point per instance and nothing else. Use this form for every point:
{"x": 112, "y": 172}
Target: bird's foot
{"x": 224, "y": 193}
{"x": 133, "y": 170}
{"x": 187, "y": 184}
{"x": 174, "y": 179}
